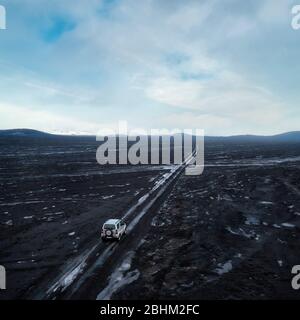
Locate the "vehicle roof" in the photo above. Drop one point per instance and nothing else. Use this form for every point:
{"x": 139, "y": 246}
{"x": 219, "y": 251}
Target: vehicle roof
{"x": 112, "y": 221}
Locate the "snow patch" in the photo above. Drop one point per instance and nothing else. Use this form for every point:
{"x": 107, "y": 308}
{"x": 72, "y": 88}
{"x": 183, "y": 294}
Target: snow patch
{"x": 119, "y": 278}
{"x": 267, "y": 203}
{"x": 225, "y": 268}
{"x": 288, "y": 225}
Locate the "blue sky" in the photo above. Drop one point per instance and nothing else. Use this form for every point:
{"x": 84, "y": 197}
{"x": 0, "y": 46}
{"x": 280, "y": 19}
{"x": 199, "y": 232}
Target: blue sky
{"x": 228, "y": 67}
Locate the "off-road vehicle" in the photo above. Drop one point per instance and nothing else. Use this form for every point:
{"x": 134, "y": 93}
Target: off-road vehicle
{"x": 113, "y": 229}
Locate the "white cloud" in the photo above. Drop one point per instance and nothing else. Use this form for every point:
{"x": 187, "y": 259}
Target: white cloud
{"x": 225, "y": 94}
{"x": 212, "y": 124}
{"x": 173, "y": 92}
{"x": 224, "y": 104}
{"x": 23, "y": 117}
{"x": 167, "y": 56}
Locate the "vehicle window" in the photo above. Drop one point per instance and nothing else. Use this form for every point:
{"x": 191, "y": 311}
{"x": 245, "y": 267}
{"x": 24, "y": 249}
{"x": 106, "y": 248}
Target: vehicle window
{"x": 109, "y": 226}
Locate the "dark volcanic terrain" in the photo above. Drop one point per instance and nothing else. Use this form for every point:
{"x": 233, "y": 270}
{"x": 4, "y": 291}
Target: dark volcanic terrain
{"x": 231, "y": 233}
{"x": 54, "y": 198}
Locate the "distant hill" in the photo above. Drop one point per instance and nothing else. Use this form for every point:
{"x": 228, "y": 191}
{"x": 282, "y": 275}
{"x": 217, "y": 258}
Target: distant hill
{"x": 293, "y": 136}
{"x": 23, "y": 133}
{"x": 289, "y": 136}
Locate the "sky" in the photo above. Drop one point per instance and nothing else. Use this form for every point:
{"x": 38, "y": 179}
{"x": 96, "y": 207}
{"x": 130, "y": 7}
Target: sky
{"x": 228, "y": 67}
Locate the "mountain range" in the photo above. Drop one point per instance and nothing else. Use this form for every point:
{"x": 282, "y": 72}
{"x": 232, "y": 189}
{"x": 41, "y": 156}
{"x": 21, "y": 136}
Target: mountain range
{"x": 293, "y": 136}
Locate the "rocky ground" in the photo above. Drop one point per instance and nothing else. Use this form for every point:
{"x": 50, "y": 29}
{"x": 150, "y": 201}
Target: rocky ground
{"x": 53, "y": 201}
{"x": 232, "y": 233}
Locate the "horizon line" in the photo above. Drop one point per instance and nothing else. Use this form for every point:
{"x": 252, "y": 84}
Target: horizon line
{"x": 122, "y": 134}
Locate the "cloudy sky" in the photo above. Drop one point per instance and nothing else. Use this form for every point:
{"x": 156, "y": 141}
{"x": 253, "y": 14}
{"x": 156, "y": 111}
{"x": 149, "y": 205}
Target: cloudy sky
{"x": 229, "y": 67}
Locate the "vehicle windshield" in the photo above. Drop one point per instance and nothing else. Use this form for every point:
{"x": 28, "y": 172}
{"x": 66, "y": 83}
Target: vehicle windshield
{"x": 109, "y": 226}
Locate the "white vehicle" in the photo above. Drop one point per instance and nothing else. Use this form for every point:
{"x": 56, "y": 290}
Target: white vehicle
{"x": 113, "y": 229}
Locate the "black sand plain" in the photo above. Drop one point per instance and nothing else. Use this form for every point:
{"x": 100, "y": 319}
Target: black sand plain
{"x": 231, "y": 233}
